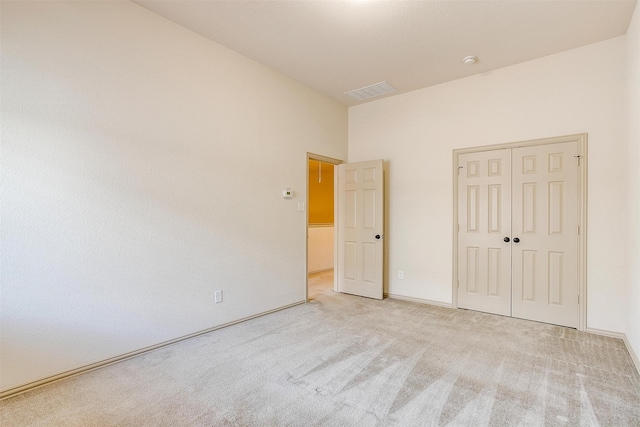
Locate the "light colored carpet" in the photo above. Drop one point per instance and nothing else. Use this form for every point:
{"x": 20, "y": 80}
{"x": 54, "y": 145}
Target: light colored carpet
{"x": 347, "y": 361}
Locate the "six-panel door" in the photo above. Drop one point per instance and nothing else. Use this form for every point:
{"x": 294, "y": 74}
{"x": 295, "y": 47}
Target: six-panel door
{"x": 484, "y": 218}
{"x": 528, "y": 195}
{"x": 360, "y": 228}
{"x": 545, "y": 223}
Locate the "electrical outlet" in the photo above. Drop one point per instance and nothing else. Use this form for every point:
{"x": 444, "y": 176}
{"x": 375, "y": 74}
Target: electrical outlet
{"x": 218, "y": 296}
{"x": 400, "y": 274}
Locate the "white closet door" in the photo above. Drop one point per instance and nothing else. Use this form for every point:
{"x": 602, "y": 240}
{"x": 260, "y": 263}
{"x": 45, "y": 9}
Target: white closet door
{"x": 545, "y": 233}
{"x": 528, "y": 195}
{"x": 484, "y": 220}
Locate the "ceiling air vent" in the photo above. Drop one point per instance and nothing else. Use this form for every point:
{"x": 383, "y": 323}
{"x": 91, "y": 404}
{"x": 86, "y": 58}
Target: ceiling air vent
{"x": 372, "y": 91}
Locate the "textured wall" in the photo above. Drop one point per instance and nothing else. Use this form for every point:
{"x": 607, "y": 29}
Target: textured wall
{"x": 633, "y": 167}
{"x": 320, "y": 193}
{"x": 582, "y": 90}
{"x": 320, "y": 249}
{"x": 142, "y": 169}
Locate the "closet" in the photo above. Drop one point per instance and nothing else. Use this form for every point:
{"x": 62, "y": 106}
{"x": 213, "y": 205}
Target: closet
{"x": 518, "y": 240}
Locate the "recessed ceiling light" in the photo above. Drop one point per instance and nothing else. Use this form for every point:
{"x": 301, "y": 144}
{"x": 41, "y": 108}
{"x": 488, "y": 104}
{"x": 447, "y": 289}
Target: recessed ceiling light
{"x": 470, "y": 60}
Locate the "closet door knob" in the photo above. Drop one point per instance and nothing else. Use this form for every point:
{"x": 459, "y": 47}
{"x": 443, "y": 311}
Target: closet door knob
{"x": 506, "y": 239}
{"x": 516, "y": 240}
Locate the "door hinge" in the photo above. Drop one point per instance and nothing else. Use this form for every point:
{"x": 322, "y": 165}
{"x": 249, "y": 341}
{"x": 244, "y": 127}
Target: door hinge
{"x": 458, "y": 283}
{"x": 578, "y": 299}
{"x": 459, "y": 167}
{"x": 578, "y": 230}
{"x": 578, "y": 159}
{"x": 458, "y": 227}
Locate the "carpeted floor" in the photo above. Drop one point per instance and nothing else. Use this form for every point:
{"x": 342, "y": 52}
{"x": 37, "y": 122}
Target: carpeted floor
{"x": 347, "y": 361}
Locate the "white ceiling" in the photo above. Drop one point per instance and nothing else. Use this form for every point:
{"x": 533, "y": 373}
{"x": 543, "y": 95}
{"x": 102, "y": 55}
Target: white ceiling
{"x": 337, "y": 46}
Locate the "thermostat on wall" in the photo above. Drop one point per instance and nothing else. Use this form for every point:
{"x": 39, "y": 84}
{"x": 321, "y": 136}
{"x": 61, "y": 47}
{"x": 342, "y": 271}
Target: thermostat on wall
{"x": 288, "y": 194}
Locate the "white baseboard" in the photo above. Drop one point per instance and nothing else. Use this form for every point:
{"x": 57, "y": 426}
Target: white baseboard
{"x": 605, "y": 333}
{"x": 321, "y": 270}
{"x": 632, "y": 353}
{"x": 419, "y": 300}
{"x": 623, "y": 337}
{"x": 44, "y": 381}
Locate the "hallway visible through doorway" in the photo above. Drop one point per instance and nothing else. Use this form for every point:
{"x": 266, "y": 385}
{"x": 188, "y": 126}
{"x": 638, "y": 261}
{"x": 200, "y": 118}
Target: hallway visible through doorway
{"x": 320, "y": 284}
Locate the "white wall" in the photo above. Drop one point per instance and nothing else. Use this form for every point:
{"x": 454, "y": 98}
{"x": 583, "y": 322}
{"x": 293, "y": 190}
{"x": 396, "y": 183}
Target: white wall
{"x": 633, "y": 167}
{"x": 142, "y": 169}
{"x": 582, "y": 90}
{"x": 320, "y": 248}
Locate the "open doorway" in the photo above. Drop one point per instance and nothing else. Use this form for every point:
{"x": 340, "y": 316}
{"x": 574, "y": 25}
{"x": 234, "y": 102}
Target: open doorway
{"x": 320, "y": 225}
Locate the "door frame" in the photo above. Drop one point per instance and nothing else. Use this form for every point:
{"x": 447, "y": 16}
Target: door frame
{"x": 581, "y": 140}
{"x": 334, "y": 162}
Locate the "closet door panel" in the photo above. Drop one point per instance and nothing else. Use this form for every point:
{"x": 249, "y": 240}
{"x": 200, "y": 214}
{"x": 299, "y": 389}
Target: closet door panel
{"x": 545, "y": 233}
{"x": 484, "y": 220}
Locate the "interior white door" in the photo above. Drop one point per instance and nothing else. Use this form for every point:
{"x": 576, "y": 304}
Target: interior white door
{"x": 545, "y": 233}
{"x": 484, "y": 221}
{"x": 360, "y": 253}
{"x": 518, "y": 232}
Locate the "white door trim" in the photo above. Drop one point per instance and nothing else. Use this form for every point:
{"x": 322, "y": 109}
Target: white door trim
{"x": 335, "y": 162}
{"x": 581, "y": 140}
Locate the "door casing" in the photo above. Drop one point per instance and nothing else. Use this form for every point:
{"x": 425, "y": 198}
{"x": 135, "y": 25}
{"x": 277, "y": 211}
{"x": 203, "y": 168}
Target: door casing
{"x": 581, "y": 140}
